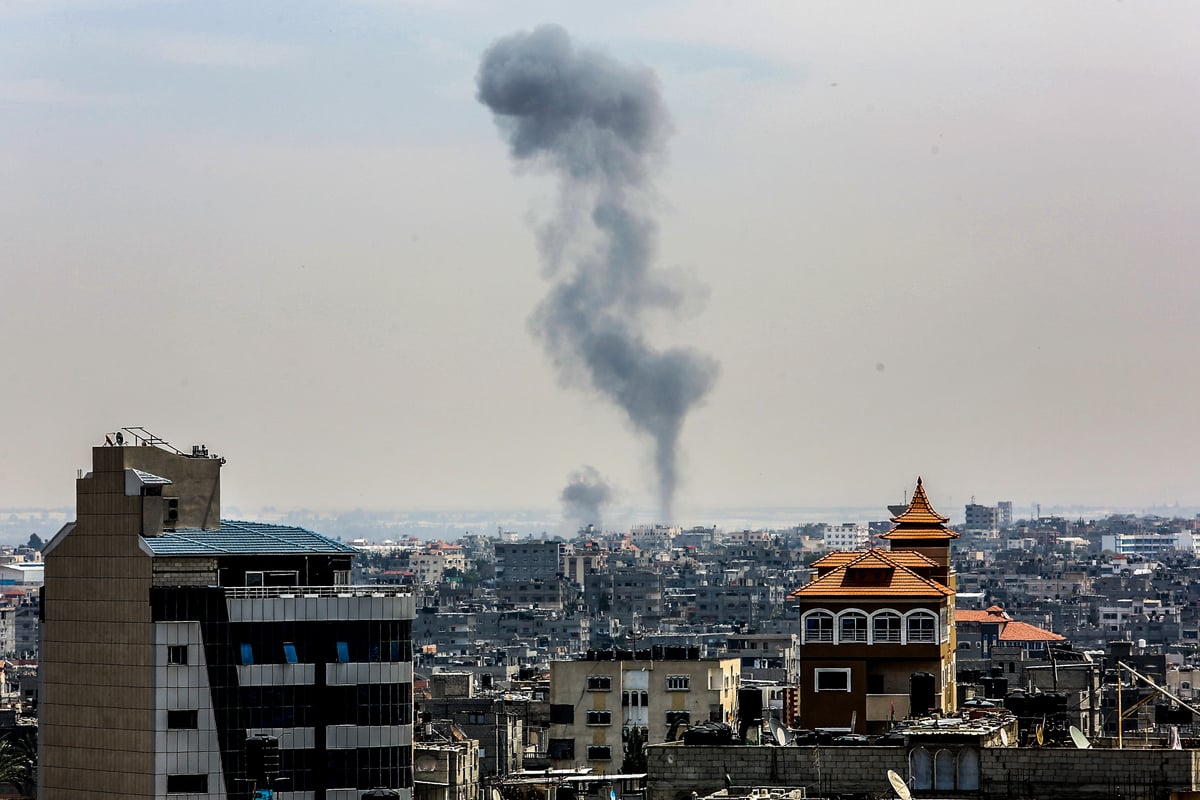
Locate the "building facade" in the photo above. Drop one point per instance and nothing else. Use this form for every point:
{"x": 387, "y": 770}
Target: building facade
{"x": 184, "y": 655}
{"x": 877, "y": 628}
{"x": 595, "y": 702}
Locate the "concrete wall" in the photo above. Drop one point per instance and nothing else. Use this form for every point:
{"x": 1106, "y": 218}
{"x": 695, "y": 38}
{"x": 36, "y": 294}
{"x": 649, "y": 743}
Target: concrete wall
{"x": 676, "y": 770}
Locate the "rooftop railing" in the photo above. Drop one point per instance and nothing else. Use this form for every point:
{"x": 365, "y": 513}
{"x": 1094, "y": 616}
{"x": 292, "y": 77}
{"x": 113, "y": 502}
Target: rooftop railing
{"x": 258, "y": 592}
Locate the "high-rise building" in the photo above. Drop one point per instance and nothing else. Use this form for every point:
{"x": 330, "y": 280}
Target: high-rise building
{"x": 182, "y": 654}
{"x": 1004, "y": 510}
{"x": 981, "y": 519}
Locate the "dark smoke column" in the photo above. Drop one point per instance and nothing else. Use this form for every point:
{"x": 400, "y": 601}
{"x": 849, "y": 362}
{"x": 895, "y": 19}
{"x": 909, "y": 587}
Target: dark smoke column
{"x": 601, "y": 127}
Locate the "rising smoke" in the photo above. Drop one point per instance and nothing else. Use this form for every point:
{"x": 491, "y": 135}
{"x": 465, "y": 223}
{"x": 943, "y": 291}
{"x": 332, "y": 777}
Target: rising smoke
{"x": 601, "y": 127}
{"x": 585, "y": 497}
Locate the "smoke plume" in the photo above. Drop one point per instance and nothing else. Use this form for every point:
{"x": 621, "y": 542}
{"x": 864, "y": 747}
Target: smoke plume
{"x": 585, "y": 496}
{"x": 601, "y": 127}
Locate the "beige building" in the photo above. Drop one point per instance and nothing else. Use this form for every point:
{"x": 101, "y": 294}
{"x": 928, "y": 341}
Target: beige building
{"x": 429, "y": 566}
{"x": 188, "y": 656}
{"x": 594, "y": 702}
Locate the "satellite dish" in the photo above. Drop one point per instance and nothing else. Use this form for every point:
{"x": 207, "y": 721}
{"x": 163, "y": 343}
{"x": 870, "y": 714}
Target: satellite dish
{"x": 898, "y": 785}
{"x": 1041, "y": 735}
{"x": 777, "y": 730}
{"x": 496, "y": 794}
{"x": 120, "y": 438}
{"x": 1003, "y": 738}
{"x": 1079, "y": 739}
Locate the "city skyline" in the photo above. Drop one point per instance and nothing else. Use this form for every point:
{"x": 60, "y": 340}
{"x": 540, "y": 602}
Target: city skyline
{"x": 950, "y": 244}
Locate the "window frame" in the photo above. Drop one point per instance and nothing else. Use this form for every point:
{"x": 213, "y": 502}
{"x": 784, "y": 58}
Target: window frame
{"x": 817, "y": 616}
{"x": 924, "y": 624}
{"x": 887, "y": 616}
{"x": 174, "y": 659}
{"x": 843, "y": 671}
{"x": 864, "y": 621}
{"x": 598, "y": 717}
{"x": 183, "y": 719}
{"x": 679, "y": 683}
{"x": 599, "y": 683}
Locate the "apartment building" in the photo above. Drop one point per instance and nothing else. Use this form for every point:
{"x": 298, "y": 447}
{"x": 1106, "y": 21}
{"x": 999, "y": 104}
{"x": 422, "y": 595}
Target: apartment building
{"x": 186, "y": 655}
{"x": 596, "y": 701}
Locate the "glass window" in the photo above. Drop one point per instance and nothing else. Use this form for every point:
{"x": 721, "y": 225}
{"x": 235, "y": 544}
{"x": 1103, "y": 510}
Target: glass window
{"x": 177, "y": 654}
{"x": 343, "y": 652}
{"x": 818, "y": 627}
{"x": 678, "y": 683}
{"x": 852, "y": 628}
{"x": 599, "y": 683}
{"x": 684, "y": 717}
{"x": 247, "y": 653}
{"x": 922, "y": 628}
{"x": 886, "y": 628}
{"x": 596, "y": 752}
{"x": 289, "y": 653}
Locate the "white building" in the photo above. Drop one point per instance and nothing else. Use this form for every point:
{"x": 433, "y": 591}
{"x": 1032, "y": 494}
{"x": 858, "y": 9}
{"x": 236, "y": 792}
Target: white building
{"x": 846, "y": 536}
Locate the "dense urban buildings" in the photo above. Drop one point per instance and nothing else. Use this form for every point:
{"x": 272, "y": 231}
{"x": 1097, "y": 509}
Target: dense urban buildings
{"x": 182, "y": 655}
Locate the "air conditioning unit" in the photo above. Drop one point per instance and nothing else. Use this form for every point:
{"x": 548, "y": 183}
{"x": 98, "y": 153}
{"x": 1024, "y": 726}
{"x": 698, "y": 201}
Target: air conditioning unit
{"x": 170, "y": 511}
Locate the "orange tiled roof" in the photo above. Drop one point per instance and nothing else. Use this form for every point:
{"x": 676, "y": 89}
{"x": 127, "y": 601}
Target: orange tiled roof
{"x": 905, "y": 558}
{"x": 920, "y": 521}
{"x": 1024, "y": 632}
{"x": 993, "y": 614}
{"x": 898, "y": 580}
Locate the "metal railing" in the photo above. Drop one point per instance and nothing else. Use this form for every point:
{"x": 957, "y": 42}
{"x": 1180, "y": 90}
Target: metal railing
{"x": 370, "y": 590}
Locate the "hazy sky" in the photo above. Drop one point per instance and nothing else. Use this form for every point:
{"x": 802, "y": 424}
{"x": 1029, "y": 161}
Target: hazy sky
{"x": 955, "y": 240}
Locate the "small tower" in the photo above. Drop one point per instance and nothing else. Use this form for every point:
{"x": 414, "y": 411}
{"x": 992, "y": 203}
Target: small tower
{"x": 922, "y": 530}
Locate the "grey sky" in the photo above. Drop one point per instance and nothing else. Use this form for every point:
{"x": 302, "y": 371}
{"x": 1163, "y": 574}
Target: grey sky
{"x": 936, "y": 240}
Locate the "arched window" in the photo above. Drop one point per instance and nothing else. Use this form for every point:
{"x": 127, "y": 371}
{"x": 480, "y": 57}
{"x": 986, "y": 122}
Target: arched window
{"x": 920, "y": 768}
{"x": 852, "y": 627}
{"x": 968, "y": 770}
{"x": 885, "y": 627}
{"x": 944, "y": 765}
{"x": 818, "y": 626}
{"x": 922, "y": 626}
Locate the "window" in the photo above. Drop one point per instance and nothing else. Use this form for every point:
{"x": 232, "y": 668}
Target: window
{"x": 684, "y": 717}
{"x": 343, "y": 652}
{"x": 920, "y": 768}
{"x": 289, "y": 653}
{"x": 254, "y": 578}
{"x": 177, "y": 654}
{"x": 247, "y": 654}
{"x": 562, "y": 714}
{"x": 183, "y": 719}
{"x": 599, "y": 683}
{"x": 831, "y": 680}
{"x": 187, "y": 784}
{"x": 678, "y": 683}
{"x": 818, "y": 627}
{"x": 599, "y": 718}
{"x": 597, "y": 752}
{"x": 562, "y": 749}
{"x": 922, "y": 628}
{"x": 885, "y": 627}
{"x": 852, "y": 627}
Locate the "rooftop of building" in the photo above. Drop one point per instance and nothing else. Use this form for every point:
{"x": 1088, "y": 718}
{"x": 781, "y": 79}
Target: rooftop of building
{"x": 245, "y": 538}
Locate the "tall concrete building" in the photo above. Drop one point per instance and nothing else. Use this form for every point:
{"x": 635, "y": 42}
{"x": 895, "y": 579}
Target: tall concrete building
{"x": 187, "y": 656}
